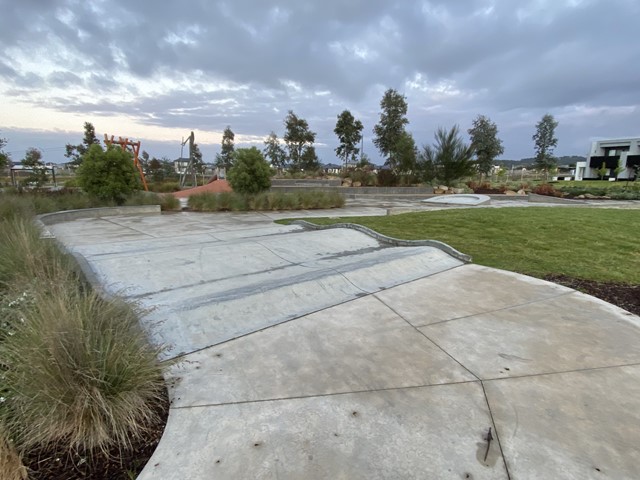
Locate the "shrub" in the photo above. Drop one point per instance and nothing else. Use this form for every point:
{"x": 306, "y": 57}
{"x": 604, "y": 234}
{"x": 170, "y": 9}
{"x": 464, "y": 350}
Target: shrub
{"x": 108, "y": 175}
{"x": 250, "y": 173}
{"x": 79, "y": 373}
{"x": 386, "y": 178}
{"x": 546, "y": 189}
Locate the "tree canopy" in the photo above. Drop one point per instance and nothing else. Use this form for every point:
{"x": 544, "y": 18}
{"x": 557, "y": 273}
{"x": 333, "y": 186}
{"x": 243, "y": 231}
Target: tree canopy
{"x": 224, "y": 159}
{"x": 485, "y": 143}
{"x": 250, "y": 172}
{"x": 274, "y": 152}
{"x": 545, "y": 141}
{"x": 76, "y": 152}
{"x": 4, "y": 157}
{"x": 38, "y": 172}
{"x": 299, "y": 141}
{"x": 391, "y": 126}
{"x": 108, "y": 175}
{"x": 349, "y": 132}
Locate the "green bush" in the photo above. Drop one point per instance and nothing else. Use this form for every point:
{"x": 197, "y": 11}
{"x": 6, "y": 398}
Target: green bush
{"x": 108, "y": 175}
{"x": 250, "y": 173}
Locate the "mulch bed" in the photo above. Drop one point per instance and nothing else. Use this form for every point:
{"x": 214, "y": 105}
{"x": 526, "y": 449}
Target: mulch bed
{"x": 624, "y": 296}
{"x": 50, "y": 464}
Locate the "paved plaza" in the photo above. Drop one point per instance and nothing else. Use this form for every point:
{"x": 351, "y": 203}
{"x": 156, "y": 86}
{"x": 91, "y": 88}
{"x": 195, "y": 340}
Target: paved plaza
{"x": 329, "y": 354}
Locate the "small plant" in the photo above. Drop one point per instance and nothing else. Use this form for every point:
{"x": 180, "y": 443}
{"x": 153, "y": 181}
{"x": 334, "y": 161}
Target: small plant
{"x": 602, "y": 171}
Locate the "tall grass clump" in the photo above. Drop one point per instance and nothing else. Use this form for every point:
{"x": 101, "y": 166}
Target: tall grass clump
{"x": 11, "y": 467}
{"x": 265, "y": 201}
{"x": 166, "y": 202}
{"x": 26, "y": 258}
{"x": 78, "y": 372}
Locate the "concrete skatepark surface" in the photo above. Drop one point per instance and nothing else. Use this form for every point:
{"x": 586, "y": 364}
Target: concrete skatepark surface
{"x": 328, "y": 354}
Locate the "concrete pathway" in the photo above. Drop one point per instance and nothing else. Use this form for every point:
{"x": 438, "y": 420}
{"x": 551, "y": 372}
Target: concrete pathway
{"x": 328, "y": 355}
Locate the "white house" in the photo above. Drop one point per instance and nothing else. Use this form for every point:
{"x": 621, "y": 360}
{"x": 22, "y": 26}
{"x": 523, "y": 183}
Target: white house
{"x": 619, "y": 152}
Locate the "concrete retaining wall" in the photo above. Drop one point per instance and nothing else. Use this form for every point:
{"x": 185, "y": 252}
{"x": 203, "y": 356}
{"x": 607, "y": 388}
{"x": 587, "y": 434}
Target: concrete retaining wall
{"x": 396, "y": 242}
{"x": 69, "y": 215}
{"x": 358, "y": 190}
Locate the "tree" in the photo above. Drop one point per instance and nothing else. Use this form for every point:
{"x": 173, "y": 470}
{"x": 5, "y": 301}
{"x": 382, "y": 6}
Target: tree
{"x": 33, "y": 161}
{"x": 274, "y": 152}
{"x": 76, "y": 152}
{"x": 298, "y": 139}
{"x": 406, "y": 154}
{"x": 391, "y": 127}
{"x": 224, "y": 159}
{"x": 349, "y": 132}
{"x": 155, "y": 170}
{"x": 4, "y": 157}
{"x": 545, "y": 141}
{"x": 143, "y": 160}
{"x": 198, "y": 164}
{"x": 449, "y": 160}
{"x": 250, "y": 172}
{"x": 309, "y": 161}
{"x": 485, "y": 142}
{"x": 108, "y": 175}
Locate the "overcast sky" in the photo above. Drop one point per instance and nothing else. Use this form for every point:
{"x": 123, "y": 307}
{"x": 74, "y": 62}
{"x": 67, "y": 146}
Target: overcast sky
{"x": 155, "y": 70}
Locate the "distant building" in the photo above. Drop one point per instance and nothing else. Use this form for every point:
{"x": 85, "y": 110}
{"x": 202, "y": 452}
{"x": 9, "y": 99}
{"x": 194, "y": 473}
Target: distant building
{"x": 611, "y": 154}
{"x": 332, "y": 168}
{"x": 180, "y": 165}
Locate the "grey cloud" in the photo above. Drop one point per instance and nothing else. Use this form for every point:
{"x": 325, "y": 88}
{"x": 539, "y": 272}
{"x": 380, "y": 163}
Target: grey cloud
{"x": 502, "y": 60}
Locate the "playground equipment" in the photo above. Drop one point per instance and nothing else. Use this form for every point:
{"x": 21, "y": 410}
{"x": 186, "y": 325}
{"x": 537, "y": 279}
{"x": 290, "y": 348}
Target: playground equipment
{"x": 134, "y": 148}
{"x": 190, "y": 168}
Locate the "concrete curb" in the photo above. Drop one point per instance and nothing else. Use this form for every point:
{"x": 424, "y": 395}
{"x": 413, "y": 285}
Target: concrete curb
{"x": 68, "y": 215}
{"x": 396, "y": 242}
{"x": 535, "y": 198}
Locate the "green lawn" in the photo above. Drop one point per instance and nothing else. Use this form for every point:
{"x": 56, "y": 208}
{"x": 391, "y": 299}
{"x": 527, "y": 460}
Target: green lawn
{"x": 621, "y": 184}
{"x": 591, "y": 243}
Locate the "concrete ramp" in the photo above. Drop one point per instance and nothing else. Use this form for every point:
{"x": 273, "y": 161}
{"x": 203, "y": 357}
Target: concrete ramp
{"x": 211, "y": 285}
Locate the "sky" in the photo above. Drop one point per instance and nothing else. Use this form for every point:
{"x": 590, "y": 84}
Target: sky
{"x": 154, "y": 71}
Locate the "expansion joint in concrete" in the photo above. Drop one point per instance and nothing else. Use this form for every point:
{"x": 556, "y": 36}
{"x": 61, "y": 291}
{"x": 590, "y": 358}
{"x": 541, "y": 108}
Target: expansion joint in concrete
{"x": 495, "y": 429}
{"x": 323, "y": 395}
{"x": 503, "y": 309}
{"x": 427, "y": 337}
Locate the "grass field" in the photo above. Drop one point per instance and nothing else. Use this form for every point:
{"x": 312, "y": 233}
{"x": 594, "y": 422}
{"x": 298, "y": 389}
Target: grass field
{"x": 590, "y": 243}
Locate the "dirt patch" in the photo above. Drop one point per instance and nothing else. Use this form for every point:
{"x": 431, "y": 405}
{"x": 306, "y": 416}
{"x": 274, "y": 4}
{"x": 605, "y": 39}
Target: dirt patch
{"x": 624, "y": 296}
{"x": 53, "y": 464}
{"x": 217, "y": 186}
